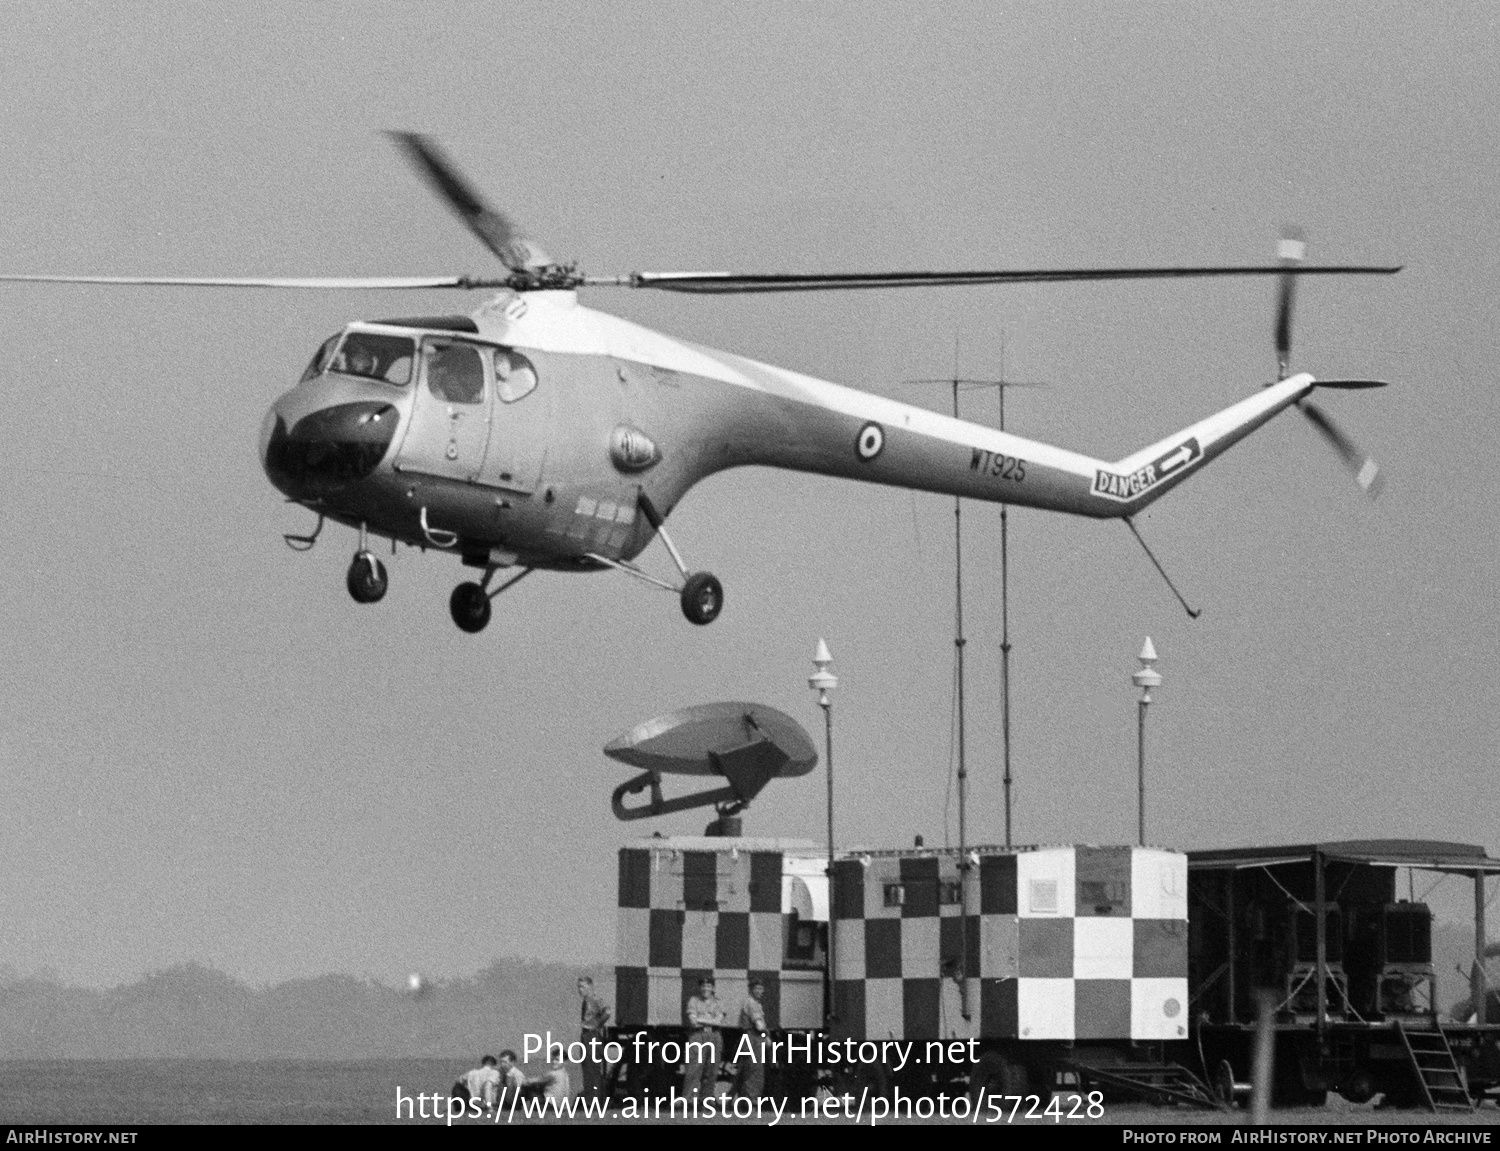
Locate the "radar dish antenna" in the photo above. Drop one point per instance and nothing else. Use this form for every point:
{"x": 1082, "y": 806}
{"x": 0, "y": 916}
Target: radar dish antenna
{"x": 745, "y": 744}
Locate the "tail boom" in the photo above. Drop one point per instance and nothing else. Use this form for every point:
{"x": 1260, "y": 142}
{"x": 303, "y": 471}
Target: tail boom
{"x": 1145, "y": 476}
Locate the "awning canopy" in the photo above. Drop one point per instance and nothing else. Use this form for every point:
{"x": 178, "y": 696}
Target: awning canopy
{"x": 1424, "y": 854}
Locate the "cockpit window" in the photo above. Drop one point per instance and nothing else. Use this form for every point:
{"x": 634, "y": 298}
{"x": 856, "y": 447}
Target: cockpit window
{"x": 515, "y": 376}
{"x": 320, "y": 359}
{"x": 455, "y": 373}
{"x": 376, "y": 357}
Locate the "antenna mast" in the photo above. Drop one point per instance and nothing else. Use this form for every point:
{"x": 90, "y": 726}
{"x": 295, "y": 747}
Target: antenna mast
{"x": 959, "y": 643}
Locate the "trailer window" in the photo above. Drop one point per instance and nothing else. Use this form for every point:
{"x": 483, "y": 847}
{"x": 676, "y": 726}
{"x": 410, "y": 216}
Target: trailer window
{"x": 806, "y": 939}
{"x": 1044, "y": 896}
{"x": 1103, "y": 895}
{"x": 951, "y": 891}
{"x": 895, "y": 895}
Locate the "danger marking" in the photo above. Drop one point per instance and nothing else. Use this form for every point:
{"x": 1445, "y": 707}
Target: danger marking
{"x": 1114, "y": 486}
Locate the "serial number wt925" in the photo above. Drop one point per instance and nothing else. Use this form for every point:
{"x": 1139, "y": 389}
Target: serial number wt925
{"x": 994, "y": 464}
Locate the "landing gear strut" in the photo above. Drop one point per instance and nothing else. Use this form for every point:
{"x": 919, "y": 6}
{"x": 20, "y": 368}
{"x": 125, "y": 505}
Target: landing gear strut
{"x": 701, "y": 593}
{"x": 366, "y": 579}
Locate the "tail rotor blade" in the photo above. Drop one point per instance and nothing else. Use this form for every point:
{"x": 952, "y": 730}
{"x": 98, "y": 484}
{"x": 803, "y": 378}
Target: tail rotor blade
{"x": 495, "y": 230}
{"x": 1290, "y": 251}
{"x": 1365, "y": 470}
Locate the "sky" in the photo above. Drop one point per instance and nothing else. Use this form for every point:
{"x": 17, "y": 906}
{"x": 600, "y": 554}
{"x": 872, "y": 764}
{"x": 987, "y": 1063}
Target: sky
{"x": 209, "y": 753}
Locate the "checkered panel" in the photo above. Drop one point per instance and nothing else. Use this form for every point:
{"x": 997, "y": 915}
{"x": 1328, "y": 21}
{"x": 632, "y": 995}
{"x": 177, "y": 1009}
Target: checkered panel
{"x": 919, "y": 945}
{"x": 632, "y": 937}
{"x": 1067, "y": 943}
{"x": 1103, "y": 948}
{"x": 800, "y": 1003}
{"x": 883, "y": 949}
{"x": 849, "y": 948}
{"x": 767, "y": 940}
{"x": 997, "y": 884}
{"x": 919, "y": 884}
{"x": 1103, "y": 878}
{"x": 1102, "y": 1008}
{"x": 700, "y": 938}
{"x": 1064, "y": 945}
{"x": 885, "y": 1008}
{"x": 1158, "y": 881}
{"x": 848, "y": 889}
{"x": 1159, "y": 947}
{"x": 957, "y": 933}
{"x": 1044, "y": 1008}
{"x": 708, "y": 909}
{"x": 635, "y": 877}
{"x": 999, "y": 946}
{"x": 1046, "y": 948}
{"x": 1158, "y": 1008}
{"x": 1045, "y": 883}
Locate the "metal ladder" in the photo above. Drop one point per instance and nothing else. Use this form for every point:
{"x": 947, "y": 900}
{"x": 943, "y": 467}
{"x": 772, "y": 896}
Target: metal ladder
{"x": 1435, "y": 1068}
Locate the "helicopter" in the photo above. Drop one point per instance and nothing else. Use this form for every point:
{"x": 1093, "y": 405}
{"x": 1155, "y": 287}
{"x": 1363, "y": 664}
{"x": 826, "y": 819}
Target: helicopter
{"x": 538, "y": 434}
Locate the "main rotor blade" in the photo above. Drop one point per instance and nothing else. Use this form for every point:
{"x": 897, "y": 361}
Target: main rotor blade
{"x": 1290, "y": 251}
{"x": 495, "y": 230}
{"x": 725, "y": 283}
{"x": 1365, "y": 470}
{"x": 319, "y": 283}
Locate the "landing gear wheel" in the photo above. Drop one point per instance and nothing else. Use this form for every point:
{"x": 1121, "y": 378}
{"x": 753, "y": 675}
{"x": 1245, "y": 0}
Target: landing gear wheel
{"x": 470, "y": 605}
{"x": 366, "y": 580}
{"x": 702, "y": 598}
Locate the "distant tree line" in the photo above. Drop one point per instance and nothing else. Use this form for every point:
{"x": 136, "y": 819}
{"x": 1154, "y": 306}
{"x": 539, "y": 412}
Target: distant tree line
{"x": 191, "y": 1011}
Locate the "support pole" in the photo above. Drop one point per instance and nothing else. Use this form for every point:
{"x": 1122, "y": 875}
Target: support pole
{"x": 1140, "y": 759}
{"x": 1480, "y": 990}
{"x": 1005, "y": 635}
{"x": 963, "y": 772}
{"x": 1264, "y": 1068}
{"x": 1320, "y": 919}
{"x": 1229, "y": 877}
{"x": 831, "y": 1010}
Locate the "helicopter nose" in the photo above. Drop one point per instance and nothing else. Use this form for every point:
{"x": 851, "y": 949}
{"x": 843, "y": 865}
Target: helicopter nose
{"x": 326, "y": 448}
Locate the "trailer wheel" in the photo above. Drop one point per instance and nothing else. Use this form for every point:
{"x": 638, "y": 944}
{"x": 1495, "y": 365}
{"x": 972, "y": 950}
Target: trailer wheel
{"x": 1359, "y": 1087}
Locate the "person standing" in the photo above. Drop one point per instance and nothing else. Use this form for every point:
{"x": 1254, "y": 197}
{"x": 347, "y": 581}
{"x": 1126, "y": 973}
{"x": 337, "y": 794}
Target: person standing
{"x": 593, "y": 1018}
{"x": 752, "y": 1073}
{"x": 705, "y": 1020}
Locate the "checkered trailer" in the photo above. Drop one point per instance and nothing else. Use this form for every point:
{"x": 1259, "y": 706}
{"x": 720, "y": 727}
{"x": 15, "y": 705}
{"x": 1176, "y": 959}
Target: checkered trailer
{"x": 1067, "y": 955}
{"x": 1063, "y": 943}
{"x": 732, "y": 908}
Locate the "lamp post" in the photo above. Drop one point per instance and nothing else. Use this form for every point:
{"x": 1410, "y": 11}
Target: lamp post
{"x": 1145, "y": 679}
{"x": 823, "y": 681}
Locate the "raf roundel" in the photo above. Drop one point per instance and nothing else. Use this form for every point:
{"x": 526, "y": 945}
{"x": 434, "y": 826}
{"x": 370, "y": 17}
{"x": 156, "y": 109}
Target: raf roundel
{"x": 870, "y": 441}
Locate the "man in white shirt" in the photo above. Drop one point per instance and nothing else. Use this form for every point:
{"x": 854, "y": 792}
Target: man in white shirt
{"x": 484, "y": 1083}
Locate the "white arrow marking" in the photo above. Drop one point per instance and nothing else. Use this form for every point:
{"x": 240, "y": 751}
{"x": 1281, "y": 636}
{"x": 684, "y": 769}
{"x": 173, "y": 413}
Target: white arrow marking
{"x": 1181, "y": 456}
